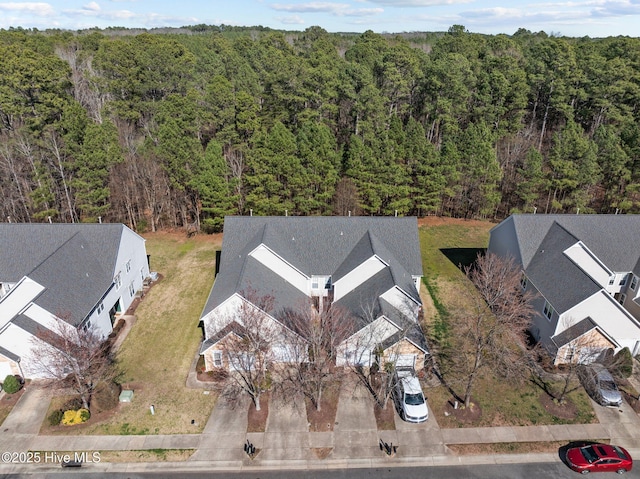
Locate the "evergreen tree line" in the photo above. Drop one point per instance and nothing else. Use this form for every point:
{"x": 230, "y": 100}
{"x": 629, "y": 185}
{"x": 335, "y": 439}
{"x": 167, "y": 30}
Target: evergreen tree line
{"x": 161, "y": 130}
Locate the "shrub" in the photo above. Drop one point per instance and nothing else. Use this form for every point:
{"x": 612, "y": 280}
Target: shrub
{"x": 105, "y": 397}
{"x": 55, "y": 417}
{"x": 11, "y": 384}
{"x": 71, "y": 417}
{"x": 84, "y": 414}
{"x": 218, "y": 375}
{"x": 623, "y": 363}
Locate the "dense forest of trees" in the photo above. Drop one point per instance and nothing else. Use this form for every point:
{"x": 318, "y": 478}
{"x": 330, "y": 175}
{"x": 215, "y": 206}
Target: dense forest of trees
{"x": 161, "y": 130}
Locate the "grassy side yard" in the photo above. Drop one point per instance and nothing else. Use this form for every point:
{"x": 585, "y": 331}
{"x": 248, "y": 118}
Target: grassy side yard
{"x": 444, "y": 244}
{"x": 156, "y": 356}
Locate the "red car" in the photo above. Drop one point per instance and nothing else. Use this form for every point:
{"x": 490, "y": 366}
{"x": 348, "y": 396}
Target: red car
{"x": 599, "y": 458}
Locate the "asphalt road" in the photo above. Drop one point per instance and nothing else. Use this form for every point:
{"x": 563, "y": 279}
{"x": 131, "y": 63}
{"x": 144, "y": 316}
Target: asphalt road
{"x": 555, "y": 470}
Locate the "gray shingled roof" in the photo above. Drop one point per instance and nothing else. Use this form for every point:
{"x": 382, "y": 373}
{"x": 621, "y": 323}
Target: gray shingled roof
{"x": 574, "y": 332}
{"x": 314, "y": 245}
{"x": 558, "y": 278}
{"x": 75, "y": 262}
{"x": 612, "y": 238}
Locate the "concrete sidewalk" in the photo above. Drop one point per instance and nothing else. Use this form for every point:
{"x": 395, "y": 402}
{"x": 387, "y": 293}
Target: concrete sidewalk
{"x": 287, "y": 443}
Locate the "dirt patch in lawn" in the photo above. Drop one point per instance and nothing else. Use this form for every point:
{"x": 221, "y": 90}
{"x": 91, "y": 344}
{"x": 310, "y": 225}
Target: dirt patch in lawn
{"x": 506, "y": 448}
{"x": 325, "y": 419}
{"x": 257, "y": 420}
{"x": 566, "y": 410}
{"x": 152, "y": 455}
{"x": 385, "y": 417}
{"x": 321, "y": 452}
{"x": 465, "y": 415}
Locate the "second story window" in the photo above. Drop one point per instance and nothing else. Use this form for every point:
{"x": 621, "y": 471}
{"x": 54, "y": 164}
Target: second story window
{"x": 118, "y": 281}
{"x": 623, "y": 280}
{"x": 634, "y": 282}
{"x": 128, "y": 266}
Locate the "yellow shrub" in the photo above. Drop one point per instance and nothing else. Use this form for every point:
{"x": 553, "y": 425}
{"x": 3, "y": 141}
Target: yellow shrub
{"x": 72, "y": 417}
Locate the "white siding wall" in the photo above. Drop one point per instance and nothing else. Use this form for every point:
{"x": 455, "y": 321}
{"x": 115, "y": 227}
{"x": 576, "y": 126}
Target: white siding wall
{"x": 356, "y": 277}
{"x": 21, "y": 343}
{"x": 588, "y": 262}
{"x": 282, "y": 268}
{"x": 46, "y": 319}
{"x": 18, "y": 298}
{"x": 402, "y": 303}
{"x": 608, "y": 314}
{"x": 360, "y": 345}
{"x": 132, "y": 256}
{"x": 221, "y": 316}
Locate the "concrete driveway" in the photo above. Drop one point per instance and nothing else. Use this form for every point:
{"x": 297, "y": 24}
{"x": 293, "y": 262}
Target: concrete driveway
{"x": 228, "y": 421}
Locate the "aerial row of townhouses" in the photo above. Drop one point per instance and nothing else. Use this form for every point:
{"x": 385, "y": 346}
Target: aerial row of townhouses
{"x": 584, "y": 272}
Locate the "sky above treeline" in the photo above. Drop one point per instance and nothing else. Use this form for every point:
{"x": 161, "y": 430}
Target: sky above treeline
{"x": 575, "y": 18}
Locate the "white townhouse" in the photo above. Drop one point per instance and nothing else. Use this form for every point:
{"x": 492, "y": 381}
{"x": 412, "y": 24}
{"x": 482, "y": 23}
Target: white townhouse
{"x": 82, "y": 274}
{"x": 585, "y": 273}
{"x": 369, "y": 266}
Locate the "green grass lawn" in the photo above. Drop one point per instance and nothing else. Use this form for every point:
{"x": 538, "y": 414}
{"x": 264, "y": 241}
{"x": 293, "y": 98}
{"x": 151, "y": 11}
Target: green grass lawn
{"x": 504, "y": 403}
{"x": 156, "y": 356}
{"x": 444, "y": 244}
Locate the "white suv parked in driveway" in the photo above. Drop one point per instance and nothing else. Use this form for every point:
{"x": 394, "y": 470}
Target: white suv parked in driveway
{"x": 411, "y": 401}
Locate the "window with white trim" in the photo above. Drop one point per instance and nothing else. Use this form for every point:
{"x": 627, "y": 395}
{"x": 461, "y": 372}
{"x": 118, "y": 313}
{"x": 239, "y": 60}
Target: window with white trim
{"x": 132, "y": 290}
{"x": 100, "y": 308}
{"x": 548, "y": 310}
{"x": 612, "y": 280}
{"x": 634, "y": 282}
{"x": 623, "y": 280}
{"x": 118, "y": 281}
{"x": 217, "y": 359}
{"x": 622, "y": 298}
{"x": 128, "y": 266}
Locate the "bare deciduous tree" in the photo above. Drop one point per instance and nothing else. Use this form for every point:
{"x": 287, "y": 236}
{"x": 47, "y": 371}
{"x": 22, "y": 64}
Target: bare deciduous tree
{"x": 313, "y": 350}
{"x": 250, "y": 348}
{"x": 71, "y": 358}
{"x": 492, "y": 331}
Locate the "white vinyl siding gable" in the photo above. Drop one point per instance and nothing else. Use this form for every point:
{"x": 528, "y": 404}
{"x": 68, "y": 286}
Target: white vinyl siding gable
{"x": 589, "y": 263}
{"x": 357, "y": 276}
{"x": 282, "y": 268}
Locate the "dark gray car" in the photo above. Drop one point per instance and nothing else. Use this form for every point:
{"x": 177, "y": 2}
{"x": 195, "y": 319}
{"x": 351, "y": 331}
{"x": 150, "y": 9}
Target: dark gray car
{"x": 599, "y": 384}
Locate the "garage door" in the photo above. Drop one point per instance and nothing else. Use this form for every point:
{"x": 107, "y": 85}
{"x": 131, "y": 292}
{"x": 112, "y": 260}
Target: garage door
{"x": 406, "y": 361}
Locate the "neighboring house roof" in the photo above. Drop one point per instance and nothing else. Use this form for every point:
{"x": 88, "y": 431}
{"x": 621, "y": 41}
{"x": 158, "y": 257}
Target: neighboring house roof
{"x": 559, "y": 279}
{"x": 612, "y": 238}
{"x": 75, "y": 262}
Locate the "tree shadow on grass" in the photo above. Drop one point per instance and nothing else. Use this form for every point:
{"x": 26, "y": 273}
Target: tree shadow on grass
{"x": 462, "y": 257}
